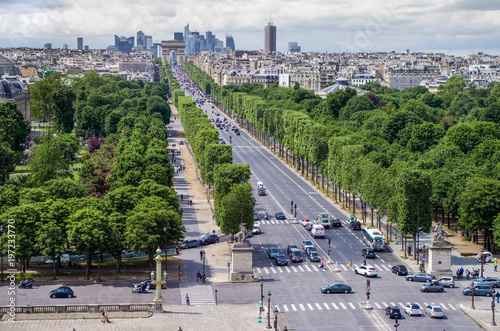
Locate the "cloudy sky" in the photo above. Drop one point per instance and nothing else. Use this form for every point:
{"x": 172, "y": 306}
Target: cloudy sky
{"x": 453, "y": 26}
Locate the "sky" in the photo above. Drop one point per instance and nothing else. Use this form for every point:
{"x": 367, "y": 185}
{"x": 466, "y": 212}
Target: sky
{"x": 451, "y": 26}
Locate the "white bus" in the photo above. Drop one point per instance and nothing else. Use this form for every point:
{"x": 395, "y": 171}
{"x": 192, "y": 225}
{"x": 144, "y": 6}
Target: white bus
{"x": 374, "y": 239}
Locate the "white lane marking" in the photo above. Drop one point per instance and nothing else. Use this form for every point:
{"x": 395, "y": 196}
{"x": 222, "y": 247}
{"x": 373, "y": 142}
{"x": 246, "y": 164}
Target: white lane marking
{"x": 335, "y": 306}
{"x": 352, "y": 306}
{"x": 393, "y": 304}
{"x": 319, "y": 307}
{"x": 302, "y": 270}
{"x": 281, "y": 270}
{"x": 307, "y": 268}
{"x": 272, "y": 269}
{"x": 326, "y": 306}
{"x": 385, "y": 304}
{"x": 384, "y": 267}
{"x": 314, "y": 268}
{"x": 265, "y": 269}
{"x": 295, "y": 269}
{"x": 293, "y": 307}
{"x": 285, "y": 308}
{"x": 301, "y": 306}
{"x": 259, "y": 270}
{"x": 401, "y": 304}
{"x": 452, "y": 307}
{"x": 342, "y": 305}
{"x": 343, "y": 267}
{"x": 309, "y": 306}
{"x": 442, "y": 305}
{"x": 288, "y": 269}
{"x": 377, "y": 305}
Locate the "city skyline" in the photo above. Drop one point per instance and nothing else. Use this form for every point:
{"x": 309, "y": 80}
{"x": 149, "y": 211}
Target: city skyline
{"x": 453, "y": 26}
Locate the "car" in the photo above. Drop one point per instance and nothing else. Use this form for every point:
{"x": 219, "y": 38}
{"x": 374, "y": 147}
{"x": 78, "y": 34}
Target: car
{"x": 336, "y": 288}
{"x": 306, "y": 244}
{"x": 237, "y": 132}
{"x": 280, "y": 216}
{"x": 149, "y": 283}
{"x": 209, "y": 239}
{"x": 62, "y": 292}
{"x": 490, "y": 281}
{"x": 313, "y": 256}
{"x": 306, "y": 221}
{"x": 366, "y": 270}
{"x": 310, "y": 249}
{"x": 309, "y": 226}
{"x": 355, "y": 225}
{"x": 291, "y": 247}
{"x": 434, "y": 311}
{"x": 432, "y": 287}
{"x": 256, "y": 217}
{"x": 126, "y": 253}
{"x": 483, "y": 290}
{"x": 368, "y": 253}
{"x": 296, "y": 255}
{"x": 281, "y": 260}
{"x": 64, "y": 259}
{"x": 420, "y": 277}
{"x": 190, "y": 243}
{"x": 393, "y": 312}
{"x": 399, "y": 270}
{"x": 488, "y": 257}
{"x": 256, "y": 229}
{"x": 262, "y": 192}
{"x": 413, "y": 309}
{"x": 336, "y": 222}
{"x": 272, "y": 252}
{"x": 447, "y": 281}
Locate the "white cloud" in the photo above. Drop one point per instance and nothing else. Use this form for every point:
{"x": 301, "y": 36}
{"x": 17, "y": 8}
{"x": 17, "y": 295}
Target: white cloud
{"x": 317, "y": 25}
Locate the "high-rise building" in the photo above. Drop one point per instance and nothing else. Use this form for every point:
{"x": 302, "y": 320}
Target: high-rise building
{"x": 156, "y": 49}
{"x": 270, "y": 38}
{"x": 65, "y": 46}
{"x": 293, "y": 46}
{"x": 186, "y": 31}
{"x": 229, "y": 41}
{"x": 47, "y": 45}
{"x": 86, "y": 47}
{"x": 210, "y": 40}
{"x": 178, "y": 36}
{"x": 140, "y": 40}
{"x": 148, "y": 42}
{"x": 124, "y": 44}
{"x": 79, "y": 43}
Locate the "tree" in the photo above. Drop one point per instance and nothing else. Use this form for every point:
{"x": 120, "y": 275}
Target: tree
{"x": 63, "y": 111}
{"x": 396, "y": 122}
{"x": 424, "y": 136}
{"x": 236, "y": 208}
{"x": 226, "y": 175}
{"x": 8, "y": 159}
{"x": 13, "y": 128}
{"x": 65, "y": 189}
{"x": 49, "y": 161}
{"x": 214, "y": 154}
{"x": 50, "y": 241}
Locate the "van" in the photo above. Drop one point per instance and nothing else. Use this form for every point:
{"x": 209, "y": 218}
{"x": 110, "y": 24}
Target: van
{"x": 324, "y": 219}
{"x": 318, "y": 231}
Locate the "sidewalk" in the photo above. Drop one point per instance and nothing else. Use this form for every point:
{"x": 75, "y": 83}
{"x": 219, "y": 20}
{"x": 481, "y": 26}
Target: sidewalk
{"x": 482, "y": 315}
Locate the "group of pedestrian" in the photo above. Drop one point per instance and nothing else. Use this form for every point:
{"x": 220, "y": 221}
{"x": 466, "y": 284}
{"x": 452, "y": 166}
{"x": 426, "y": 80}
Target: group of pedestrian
{"x": 189, "y": 202}
{"x": 201, "y": 277}
{"x": 105, "y": 318}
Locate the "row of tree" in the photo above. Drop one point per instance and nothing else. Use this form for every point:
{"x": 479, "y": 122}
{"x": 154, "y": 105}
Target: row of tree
{"x": 448, "y": 143}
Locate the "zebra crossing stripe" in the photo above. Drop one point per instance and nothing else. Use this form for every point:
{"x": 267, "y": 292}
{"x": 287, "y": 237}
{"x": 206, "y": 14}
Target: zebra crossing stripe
{"x": 425, "y": 304}
{"x": 355, "y": 265}
{"x": 293, "y": 307}
{"x": 383, "y": 266}
{"x": 285, "y": 308}
{"x": 343, "y": 267}
{"x": 300, "y": 268}
{"x": 286, "y": 222}
{"x": 377, "y": 305}
{"x": 259, "y": 271}
{"x": 384, "y": 304}
{"x": 272, "y": 222}
{"x": 342, "y": 305}
{"x": 288, "y": 269}
{"x": 352, "y": 306}
{"x": 265, "y": 269}
{"x": 309, "y": 306}
{"x": 335, "y": 306}
{"x": 401, "y": 304}
{"x": 452, "y": 306}
{"x": 326, "y": 306}
{"x": 393, "y": 304}
{"x": 272, "y": 269}
{"x": 314, "y": 268}
{"x": 319, "y": 307}
{"x": 301, "y": 306}
{"x": 442, "y": 305}
{"x": 281, "y": 270}
{"x": 295, "y": 269}
{"x": 307, "y": 268}
{"x": 462, "y": 306}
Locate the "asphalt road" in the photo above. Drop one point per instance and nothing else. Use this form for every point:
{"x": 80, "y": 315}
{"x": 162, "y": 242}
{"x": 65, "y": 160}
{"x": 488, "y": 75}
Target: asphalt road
{"x": 295, "y": 290}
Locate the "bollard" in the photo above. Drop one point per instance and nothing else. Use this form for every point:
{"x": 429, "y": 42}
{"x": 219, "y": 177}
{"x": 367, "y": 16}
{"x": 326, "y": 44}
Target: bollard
{"x": 179, "y": 272}
{"x": 259, "y": 320}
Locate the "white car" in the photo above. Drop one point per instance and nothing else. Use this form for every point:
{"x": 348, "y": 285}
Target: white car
{"x": 434, "y": 311}
{"x": 256, "y": 229}
{"x": 413, "y": 309}
{"x": 306, "y": 222}
{"x": 366, "y": 270}
{"x": 488, "y": 257}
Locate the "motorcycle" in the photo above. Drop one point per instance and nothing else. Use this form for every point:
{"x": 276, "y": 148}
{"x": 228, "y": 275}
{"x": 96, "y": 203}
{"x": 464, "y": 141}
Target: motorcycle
{"x": 265, "y": 216}
{"x": 140, "y": 289}
{"x": 26, "y": 283}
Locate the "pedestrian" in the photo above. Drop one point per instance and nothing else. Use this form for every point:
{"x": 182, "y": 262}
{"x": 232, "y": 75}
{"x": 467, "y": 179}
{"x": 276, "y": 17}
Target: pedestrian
{"x": 350, "y": 264}
{"x": 106, "y": 319}
{"x": 364, "y": 260}
{"x": 183, "y": 168}
{"x": 204, "y": 278}
{"x": 182, "y": 197}
{"x": 103, "y": 319}
{"x": 498, "y": 296}
{"x": 187, "y": 299}
{"x": 198, "y": 276}
{"x": 495, "y": 264}
{"x": 201, "y": 254}
{"x": 461, "y": 272}
{"x": 467, "y": 274}
{"x": 458, "y": 273}
{"x": 321, "y": 265}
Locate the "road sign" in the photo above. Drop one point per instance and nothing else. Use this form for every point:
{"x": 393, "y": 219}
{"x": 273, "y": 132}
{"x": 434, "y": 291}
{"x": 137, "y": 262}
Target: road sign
{"x": 368, "y": 288}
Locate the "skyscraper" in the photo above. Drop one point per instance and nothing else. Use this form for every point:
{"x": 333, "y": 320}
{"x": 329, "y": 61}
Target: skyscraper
{"x": 124, "y": 44}
{"x": 148, "y": 42}
{"x": 229, "y": 41}
{"x": 178, "y": 36}
{"x": 293, "y": 46}
{"x": 210, "y": 40}
{"x": 270, "y": 38}
{"x": 79, "y": 43}
{"x": 140, "y": 40}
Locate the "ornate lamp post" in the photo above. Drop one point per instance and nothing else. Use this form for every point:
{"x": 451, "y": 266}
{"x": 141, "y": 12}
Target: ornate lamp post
{"x": 158, "y": 301}
{"x": 261, "y": 294}
{"x": 269, "y": 311}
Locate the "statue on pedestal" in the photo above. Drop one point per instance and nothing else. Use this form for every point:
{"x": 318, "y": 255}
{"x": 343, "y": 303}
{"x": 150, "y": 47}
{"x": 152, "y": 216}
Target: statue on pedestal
{"x": 241, "y": 236}
{"x": 440, "y": 235}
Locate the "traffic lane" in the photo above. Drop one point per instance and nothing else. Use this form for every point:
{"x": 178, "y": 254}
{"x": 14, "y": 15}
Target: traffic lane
{"x": 105, "y": 293}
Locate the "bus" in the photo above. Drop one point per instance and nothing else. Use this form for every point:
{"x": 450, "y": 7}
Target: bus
{"x": 374, "y": 239}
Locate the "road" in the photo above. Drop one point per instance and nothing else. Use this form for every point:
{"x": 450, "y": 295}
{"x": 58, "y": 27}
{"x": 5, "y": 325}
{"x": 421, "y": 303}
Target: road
{"x": 295, "y": 290}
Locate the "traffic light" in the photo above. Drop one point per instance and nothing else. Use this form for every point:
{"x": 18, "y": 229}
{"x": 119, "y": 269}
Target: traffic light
{"x": 367, "y": 282}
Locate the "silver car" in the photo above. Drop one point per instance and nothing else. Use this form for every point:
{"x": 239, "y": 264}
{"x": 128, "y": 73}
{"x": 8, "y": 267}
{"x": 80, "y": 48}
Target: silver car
{"x": 434, "y": 311}
{"x": 447, "y": 281}
{"x": 490, "y": 281}
{"x": 432, "y": 287}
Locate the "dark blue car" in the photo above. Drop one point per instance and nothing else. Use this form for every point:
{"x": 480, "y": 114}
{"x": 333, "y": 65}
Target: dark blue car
{"x": 62, "y": 292}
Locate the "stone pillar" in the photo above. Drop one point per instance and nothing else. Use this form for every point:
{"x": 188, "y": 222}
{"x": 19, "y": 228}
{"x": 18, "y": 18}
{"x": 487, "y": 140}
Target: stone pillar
{"x": 242, "y": 263}
{"x": 439, "y": 259}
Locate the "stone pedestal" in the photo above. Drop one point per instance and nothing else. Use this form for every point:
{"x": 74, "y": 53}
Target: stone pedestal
{"x": 242, "y": 263}
{"x": 439, "y": 259}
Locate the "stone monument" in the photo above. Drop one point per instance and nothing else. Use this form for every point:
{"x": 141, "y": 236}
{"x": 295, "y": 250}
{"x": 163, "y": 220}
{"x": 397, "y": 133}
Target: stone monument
{"x": 439, "y": 253}
{"x": 242, "y": 258}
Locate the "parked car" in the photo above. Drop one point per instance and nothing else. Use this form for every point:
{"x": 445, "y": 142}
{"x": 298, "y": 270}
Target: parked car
{"x": 190, "y": 243}
{"x": 280, "y": 216}
{"x": 485, "y": 290}
{"x": 209, "y": 239}
{"x": 432, "y": 287}
{"x": 272, "y": 252}
{"x": 126, "y": 253}
{"x": 366, "y": 270}
{"x": 62, "y": 292}
{"x": 336, "y": 288}
{"x": 355, "y": 225}
{"x": 368, "y": 253}
{"x": 393, "y": 312}
{"x": 256, "y": 229}
{"x": 313, "y": 256}
{"x": 413, "y": 309}
{"x": 306, "y": 244}
{"x": 490, "y": 281}
{"x": 64, "y": 259}
{"x": 336, "y": 222}
{"x": 281, "y": 260}
{"x": 399, "y": 270}
{"x": 420, "y": 277}
{"x": 296, "y": 256}
{"x": 488, "y": 257}
{"x": 434, "y": 311}
{"x": 447, "y": 281}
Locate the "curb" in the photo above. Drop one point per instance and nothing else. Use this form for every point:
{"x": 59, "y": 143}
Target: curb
{"x": 471, "y": 316}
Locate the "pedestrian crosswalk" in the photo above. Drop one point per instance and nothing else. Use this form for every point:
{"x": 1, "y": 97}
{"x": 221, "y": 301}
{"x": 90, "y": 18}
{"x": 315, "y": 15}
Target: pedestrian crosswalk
{"x": 319, "y": 306}
{"x": 275, "y": 222}
{"x": 199, "y": 294}
{"x": 312, "y": 268}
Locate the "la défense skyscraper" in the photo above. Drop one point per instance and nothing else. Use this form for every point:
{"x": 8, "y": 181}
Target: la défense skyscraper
{"x": 270, "y": 38}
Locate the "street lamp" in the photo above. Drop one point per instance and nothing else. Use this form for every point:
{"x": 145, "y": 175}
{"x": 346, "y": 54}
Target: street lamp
{"x": 275, "y": 319}
{"x": 261, "y": 293}
{"x": 2, "y": 229}
{"x": 166, "y": 247}
{"x": 482, "y": 262}
{"x": 493, "y": 310}
{"x": 269, "y": 311}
